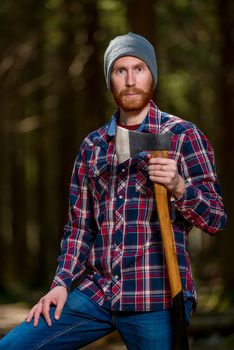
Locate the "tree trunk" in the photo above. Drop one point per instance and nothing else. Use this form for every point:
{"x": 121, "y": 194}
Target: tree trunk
{"x": 225, "y": 9}
{"x": 141, "y": 18}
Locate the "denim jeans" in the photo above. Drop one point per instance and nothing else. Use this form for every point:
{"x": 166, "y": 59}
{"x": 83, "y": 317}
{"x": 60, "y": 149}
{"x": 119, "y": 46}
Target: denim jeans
{"x": 83, "y": 321}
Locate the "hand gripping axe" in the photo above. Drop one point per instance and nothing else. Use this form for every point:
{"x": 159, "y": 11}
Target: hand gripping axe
{"x": 129, "y": 143}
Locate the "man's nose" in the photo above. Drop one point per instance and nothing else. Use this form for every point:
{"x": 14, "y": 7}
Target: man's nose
{"x": 130, "y": 79}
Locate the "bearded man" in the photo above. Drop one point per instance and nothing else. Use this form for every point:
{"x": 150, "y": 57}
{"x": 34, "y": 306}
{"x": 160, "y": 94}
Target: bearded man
{"x": 112, "y": 242}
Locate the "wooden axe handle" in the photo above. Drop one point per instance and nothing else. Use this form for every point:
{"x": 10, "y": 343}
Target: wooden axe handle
{"x": 166, "y": 232}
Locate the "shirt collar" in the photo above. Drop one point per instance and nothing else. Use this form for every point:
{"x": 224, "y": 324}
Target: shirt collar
{"x": 151, "y": 123}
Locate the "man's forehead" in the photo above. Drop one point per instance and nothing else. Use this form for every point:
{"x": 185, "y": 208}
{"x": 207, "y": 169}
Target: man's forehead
{"x": 128, "y": 60}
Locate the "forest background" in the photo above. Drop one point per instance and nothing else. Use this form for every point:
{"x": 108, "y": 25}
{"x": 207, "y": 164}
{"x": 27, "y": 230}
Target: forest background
{"x": 53, "y": 93}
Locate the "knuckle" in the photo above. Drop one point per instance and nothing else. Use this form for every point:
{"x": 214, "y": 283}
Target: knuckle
{"x": 37, "y": 314}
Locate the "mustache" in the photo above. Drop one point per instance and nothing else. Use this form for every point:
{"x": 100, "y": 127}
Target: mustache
{"x": 132, "y": 90}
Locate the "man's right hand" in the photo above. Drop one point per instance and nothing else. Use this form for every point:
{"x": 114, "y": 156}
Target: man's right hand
{"x": 56, "y": 296}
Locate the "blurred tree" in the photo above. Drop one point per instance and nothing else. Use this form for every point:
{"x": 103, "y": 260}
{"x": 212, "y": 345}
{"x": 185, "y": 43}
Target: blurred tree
{"x": 225, "y": 15}
{"x": 35, "y": 92}
{"x": 141, "y": 17}
{"x": 15, "y": 55}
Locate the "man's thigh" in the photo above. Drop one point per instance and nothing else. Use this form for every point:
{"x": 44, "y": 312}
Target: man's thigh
{"x": 146, "y": 330}
{"x": 82, "y": 322}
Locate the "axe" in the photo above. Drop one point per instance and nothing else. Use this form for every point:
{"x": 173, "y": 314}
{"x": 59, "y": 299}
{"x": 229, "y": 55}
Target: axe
{"x": 129, "y": 143}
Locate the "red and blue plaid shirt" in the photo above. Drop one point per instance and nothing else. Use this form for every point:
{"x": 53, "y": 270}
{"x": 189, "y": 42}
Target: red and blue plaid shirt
{"x": 112, "y": 240}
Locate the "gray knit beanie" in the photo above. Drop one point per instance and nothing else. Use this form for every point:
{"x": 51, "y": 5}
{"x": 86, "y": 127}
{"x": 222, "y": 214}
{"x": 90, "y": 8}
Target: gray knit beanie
{"x": 130, "y": 45}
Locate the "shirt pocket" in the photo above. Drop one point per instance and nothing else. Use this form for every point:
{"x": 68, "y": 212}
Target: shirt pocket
{"x": 99, "y": 179}
{"x": 143, "y": 184}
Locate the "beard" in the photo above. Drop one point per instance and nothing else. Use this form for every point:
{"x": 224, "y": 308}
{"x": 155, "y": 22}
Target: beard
{"x": 133, "y": 99}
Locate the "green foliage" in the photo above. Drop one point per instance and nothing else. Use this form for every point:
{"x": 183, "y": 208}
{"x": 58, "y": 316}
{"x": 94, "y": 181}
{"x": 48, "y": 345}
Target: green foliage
{"x": 112, "y": 17}
{"x": 187, "y": 43}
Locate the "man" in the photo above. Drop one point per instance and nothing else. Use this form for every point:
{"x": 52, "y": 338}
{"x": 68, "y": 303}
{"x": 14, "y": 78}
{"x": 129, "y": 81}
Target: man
{"x": 112, "y": 241}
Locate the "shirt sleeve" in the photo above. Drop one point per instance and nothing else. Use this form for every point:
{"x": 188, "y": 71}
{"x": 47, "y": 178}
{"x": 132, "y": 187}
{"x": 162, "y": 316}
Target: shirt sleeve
{"x": 201, "y": 203}
{"x": 80, "y": 230}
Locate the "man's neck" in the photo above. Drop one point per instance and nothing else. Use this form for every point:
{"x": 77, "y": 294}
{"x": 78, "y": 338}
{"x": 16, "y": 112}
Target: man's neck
{"x": 133, "y": 117}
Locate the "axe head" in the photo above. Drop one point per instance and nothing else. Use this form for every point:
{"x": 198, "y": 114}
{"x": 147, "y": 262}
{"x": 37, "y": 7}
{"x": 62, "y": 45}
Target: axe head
{"x": 129, "y": 143}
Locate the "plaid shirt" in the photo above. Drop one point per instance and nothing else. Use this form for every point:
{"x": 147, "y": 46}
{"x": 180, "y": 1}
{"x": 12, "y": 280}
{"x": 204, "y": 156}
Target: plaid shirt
{"x": 112, "y": 239}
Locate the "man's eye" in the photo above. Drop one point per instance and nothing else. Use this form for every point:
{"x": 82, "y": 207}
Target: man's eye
{"x": 139, "y": 69}
{"x": 120, "y": 71}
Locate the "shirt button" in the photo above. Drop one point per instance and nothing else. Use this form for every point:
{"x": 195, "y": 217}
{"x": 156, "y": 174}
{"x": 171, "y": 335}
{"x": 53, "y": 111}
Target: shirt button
{"x": 123, "y": 170}
{"x": 120, "y": 197}
{"x": 116, "y": 277}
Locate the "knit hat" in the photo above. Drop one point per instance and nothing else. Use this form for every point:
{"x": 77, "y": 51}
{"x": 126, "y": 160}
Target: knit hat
{"x": 130, "y": 45}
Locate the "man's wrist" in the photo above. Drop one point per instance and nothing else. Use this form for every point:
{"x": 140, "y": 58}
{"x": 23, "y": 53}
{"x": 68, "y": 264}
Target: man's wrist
{"x": 178, "y": 193}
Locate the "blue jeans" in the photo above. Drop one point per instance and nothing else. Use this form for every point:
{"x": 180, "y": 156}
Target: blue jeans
{"x": 83, "y": 321}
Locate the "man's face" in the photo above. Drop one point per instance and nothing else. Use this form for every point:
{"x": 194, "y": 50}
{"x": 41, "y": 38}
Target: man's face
{"x": 131, "y": 83}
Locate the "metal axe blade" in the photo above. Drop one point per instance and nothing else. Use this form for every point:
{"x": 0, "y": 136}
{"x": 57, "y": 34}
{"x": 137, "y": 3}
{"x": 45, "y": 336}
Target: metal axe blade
{"x": 129, "y": 143}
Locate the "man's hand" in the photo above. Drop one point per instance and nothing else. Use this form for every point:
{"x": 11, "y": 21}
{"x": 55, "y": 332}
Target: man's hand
{"x": 164, "y": 171}
{"x": 56, "y": 296}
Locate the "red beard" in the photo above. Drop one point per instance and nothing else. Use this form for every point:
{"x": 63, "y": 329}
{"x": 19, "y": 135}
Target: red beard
{"x": 130, "y": 103}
